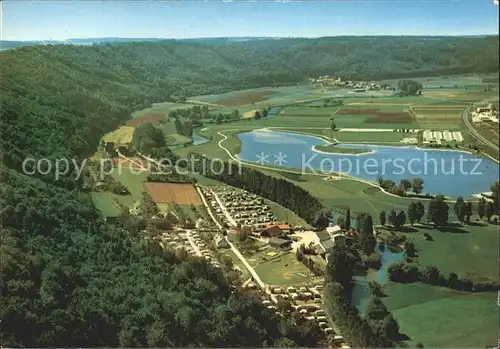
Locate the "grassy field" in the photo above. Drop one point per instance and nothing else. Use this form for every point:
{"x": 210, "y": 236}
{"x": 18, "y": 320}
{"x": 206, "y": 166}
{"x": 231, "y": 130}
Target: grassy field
{"x": 186, "y": 210}
{"x": 285, "y": 215}
{"x": 283, "y": 270}
{"x": 171, "y": 135}
{"x": 132, "y": 179}
{"x": 237, "y": 262}
{"x": 440, "y": 317}
{"x": 120, "y": 136}
{"x": 464, "y": 250}
{"x": 105, "y": 202}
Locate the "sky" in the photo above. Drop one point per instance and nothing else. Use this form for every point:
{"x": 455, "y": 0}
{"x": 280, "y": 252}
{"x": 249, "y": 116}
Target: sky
{"x": 59, "y": 20}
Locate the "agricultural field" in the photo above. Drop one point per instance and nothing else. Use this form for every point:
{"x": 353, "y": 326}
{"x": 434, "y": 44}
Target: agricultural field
{"x": 441, "y": 317}
{"x": 379, "y": 117}
{"x": 489, "y": 130}
{"x": 120, "y": 136}
{"x": 308, "y": 111}
{"x": 152, "y": 117}
{"x": 372, "y": 137}
{"x": 169, "y": 193}
{"x": 439, "y": 117}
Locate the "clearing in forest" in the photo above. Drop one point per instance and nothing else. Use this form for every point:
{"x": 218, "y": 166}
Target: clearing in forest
{"x": 122, "y": 135}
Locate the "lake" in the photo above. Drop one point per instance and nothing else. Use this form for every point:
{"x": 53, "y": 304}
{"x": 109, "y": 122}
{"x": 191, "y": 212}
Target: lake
{"x": 448, "y": 172}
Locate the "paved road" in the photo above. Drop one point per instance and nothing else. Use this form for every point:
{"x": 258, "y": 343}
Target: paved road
{"x": 232, "y": 222}
{"x": 473, "y": 131}
{"x": 208, "y": 208}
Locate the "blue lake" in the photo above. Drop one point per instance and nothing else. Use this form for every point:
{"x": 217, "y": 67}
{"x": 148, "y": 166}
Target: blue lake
{"x": 451, "y": 173}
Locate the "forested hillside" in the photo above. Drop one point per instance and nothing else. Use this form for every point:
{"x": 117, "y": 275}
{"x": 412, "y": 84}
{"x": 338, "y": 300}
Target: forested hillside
{"x": 79, "y": 92}
{"x": 71, "y": 279}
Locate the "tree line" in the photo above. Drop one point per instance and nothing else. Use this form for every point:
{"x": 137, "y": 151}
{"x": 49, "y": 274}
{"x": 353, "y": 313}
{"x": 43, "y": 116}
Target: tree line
{"x": 375, "y": 329}
{"x": 409, "y": 272}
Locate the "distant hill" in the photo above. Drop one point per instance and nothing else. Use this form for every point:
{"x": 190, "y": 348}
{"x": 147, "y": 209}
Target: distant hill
{"x": 5, "y": 45}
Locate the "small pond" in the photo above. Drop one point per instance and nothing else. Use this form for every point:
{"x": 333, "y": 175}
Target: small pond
{"x": 361, "y": 293}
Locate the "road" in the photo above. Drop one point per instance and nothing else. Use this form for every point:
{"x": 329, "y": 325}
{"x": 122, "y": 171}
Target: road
{"x": 232, "y": 222}
{"x": 209, "y": 210}
{"x": 193, "y": 244}
{"x": 473, "y": 131}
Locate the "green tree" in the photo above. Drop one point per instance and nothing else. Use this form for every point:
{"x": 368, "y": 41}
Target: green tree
{"x": 390, "y": 327}
{"x": 437, "y": 211}
{"x": 405, "y": 184}
{"x": 382, "y": 218}
{"x": 347, "y": 221}
{"x": 468, "y": 211}
{"x": 368, "y": 242}
{"x": 460, "y": 209}
{"x": 376, "y": 309}
{"x": 410, "y": 87}
{"x": 412, "y": 213}
{"x": 322, "y": 219}
{"x": 393, "y": 218}
{"x": 418, "y": 185}
{"x": 481, "y": 208}
{"x": 452, "y": 280}
{"x": 375, "y": 288}
{"x": 365, "y": 224}
{"x": 495, "y": 189}
{"x": 490, "y": 210}
{"x": 420, "y": 211}
{"x": 431, "y": 275}
{"x": 340, "y": 266}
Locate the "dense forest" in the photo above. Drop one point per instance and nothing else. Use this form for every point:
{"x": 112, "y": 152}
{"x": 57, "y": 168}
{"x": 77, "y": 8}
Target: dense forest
{"x": 71, "y": 279}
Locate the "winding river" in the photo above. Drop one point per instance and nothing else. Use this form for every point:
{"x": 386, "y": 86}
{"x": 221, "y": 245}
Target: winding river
{"x": 449, "y": 172}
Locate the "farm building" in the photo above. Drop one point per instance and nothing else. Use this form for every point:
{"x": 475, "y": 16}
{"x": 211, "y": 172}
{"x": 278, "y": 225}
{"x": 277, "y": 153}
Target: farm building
{"x": 457, "y": 136}
{"x": 339, "y": 239}
{"x": 333, "y": 230}
{"x": 280, "y": 244}
{"x": 285, "y": 228}
{"x": 323, "y": 236}
{"x": 271, "y": 232}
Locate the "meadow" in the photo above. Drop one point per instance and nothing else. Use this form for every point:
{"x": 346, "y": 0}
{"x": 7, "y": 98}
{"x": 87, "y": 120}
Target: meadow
{"x": 284, "y": 270}
{"x": 467, "y": 251}
{"x": 441, "y": 317}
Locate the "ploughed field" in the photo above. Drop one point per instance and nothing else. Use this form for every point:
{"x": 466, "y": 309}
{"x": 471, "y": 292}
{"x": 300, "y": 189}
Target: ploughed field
{"x": 167, "y": 193}
{"x": 243, "y": 98}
